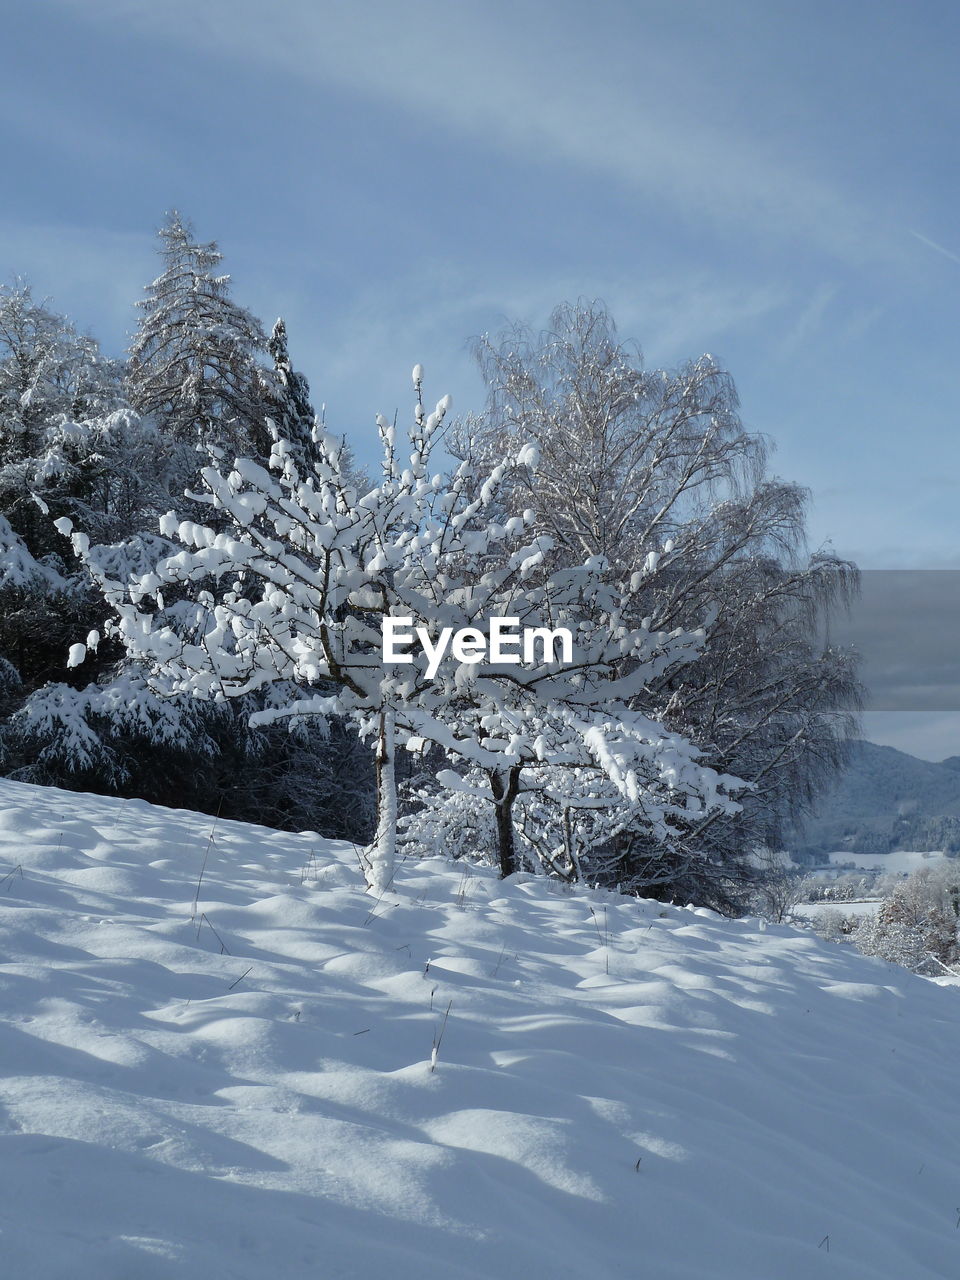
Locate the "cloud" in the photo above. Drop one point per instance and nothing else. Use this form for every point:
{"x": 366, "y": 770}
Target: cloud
{"x": 905, "y": 625}
{"x": 618, "y": 101}
{"x": 808, "y": 321}
{"x": 358, "y": 359}
{"x": 926, "y": 734}
{"x": 937, "y": 248}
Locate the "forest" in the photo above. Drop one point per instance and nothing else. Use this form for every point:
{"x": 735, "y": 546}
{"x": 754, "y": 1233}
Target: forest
{"x": 195, "y": 570}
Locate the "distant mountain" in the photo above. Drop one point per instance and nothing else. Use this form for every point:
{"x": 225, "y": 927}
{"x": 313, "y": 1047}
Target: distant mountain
{"x": 887, "y": 800}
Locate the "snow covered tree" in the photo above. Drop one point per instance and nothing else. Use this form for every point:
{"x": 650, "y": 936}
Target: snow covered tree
{"x": 108, "y": 475}
{"x": 916, "y": 924}
{"x": 71, "y": 447}
{"x": 47, "y": 370}
{"x": 290, "y": 410}
{"x": 559, "y": 731}
{"x": 654, "y": 469}
{"x": 565, "y": 819}
{"x": 54, "y": 383}
{"x": 313, "y": 548}
{"x": 49, "y": 375}
{"x": 195, "y": 361}
{"x": 312, "y": 569}
{"x": 289, "y": 403}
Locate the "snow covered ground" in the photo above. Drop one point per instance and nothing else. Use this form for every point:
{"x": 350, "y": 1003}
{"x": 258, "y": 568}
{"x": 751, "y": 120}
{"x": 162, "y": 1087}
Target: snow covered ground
{"x": 900, "y": 863}
{"x": 863, "y": 907}
{"x": 621, "y": 1089}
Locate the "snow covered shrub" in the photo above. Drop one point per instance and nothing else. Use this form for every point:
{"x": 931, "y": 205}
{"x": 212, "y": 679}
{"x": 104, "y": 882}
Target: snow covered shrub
{"x": 892, "y": 938}
{"x": 564, "y": 820}
{"x": 916, "y": 925}
{"x": 779, "y": 885}
{"x": 833, "y": 926}
{"x": 456, "y": 821}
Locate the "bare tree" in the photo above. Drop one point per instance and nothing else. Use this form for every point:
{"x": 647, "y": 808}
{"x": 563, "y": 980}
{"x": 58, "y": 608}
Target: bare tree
{"x": 654, "y": 471}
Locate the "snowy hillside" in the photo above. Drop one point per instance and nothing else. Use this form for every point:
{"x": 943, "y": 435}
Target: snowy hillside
{"x": 621, "y": 1089}
{"x": 887, "y": 800}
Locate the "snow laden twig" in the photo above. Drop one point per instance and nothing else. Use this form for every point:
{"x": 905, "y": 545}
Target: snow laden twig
{"x": 203, "y": 864}
{"x": 8, "y": 879}
{"x": 437, "y": 1039}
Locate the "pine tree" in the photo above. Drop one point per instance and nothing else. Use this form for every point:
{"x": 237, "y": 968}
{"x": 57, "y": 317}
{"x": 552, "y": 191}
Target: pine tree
{"x": 195, "y": 362}
{"x": 288, "y": 399}
{"x": 290, "y": 409}
{"x": 61, "y": 416}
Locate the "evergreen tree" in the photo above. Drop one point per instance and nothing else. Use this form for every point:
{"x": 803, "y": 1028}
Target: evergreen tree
{"x": 290, "y": 409}
{"x": 55, "y": 387}
{"x": 288, "y": 398}
{"x": 195, "y": 362}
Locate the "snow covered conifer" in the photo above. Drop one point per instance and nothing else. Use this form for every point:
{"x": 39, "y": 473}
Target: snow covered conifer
{"x": 290, "y": 407}
{"x": 195, "y": 359}
{"x": 52, "y": 380}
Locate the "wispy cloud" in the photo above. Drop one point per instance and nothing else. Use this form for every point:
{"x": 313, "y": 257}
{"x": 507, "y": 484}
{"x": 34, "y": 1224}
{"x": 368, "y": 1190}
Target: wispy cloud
{"x": 808, "y": 321}
{"x": 613, "y": 104}
{"x": 358, "y": 360}
{"x": 928, "y": 734}
{"x": 937, "y": 248}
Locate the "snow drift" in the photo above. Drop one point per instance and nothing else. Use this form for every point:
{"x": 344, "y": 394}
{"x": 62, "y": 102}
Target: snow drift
{"x": 216, "y": 1056}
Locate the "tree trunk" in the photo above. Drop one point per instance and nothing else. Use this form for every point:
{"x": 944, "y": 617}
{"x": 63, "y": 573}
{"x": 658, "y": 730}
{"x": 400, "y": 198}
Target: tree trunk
{"x": 383, "y": 852}
{"x": 505, "y": 785}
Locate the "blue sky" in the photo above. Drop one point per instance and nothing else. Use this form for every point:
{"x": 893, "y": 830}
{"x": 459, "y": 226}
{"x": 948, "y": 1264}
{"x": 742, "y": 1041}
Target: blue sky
{"x": 773, "y": 182}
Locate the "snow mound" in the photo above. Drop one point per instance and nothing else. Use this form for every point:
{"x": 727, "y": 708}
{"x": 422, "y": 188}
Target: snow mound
{"x": 227, "y": 1076}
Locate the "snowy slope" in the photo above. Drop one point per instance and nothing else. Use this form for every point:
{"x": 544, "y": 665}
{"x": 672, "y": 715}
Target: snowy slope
{"x": 622, "y": 1089}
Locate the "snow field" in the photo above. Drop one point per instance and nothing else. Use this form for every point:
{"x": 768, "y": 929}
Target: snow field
{"x": 900, "y": 863}
{"x": 862, "y": 907}
{"x": 236, "y": 1083}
